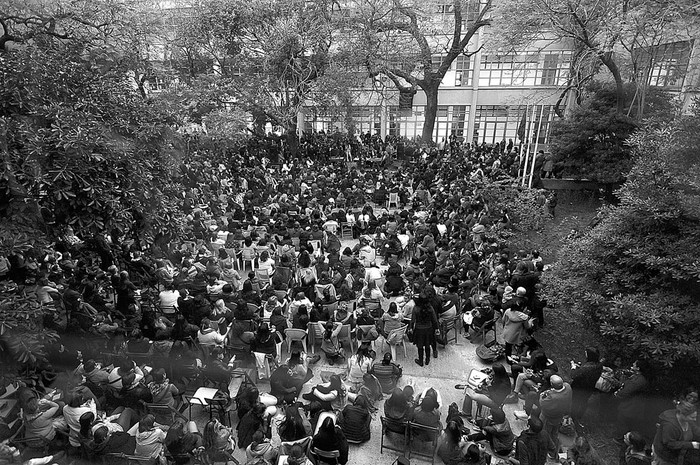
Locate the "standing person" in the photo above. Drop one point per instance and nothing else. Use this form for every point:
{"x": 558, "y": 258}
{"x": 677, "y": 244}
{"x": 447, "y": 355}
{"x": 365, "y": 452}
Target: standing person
{"x": 631, "y": 408}
{"x": 424, "y": 324}
{"x": 583, "y": 380}
{"x": 532, "y": 445}
{"x": 677, "y": 434}
{"x": 514, "y": 322}
{"x": 554, "y": 404}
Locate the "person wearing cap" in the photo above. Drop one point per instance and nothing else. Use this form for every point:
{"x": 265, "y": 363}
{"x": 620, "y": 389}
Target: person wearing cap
{"x": 555, "y": 403}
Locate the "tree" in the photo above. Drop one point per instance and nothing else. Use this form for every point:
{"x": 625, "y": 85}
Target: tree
{"x": 603, "y": 33}
{"x": 635, "y": 274}
{"x": 414, "y": 43}
{"x": 79, "y": 144}
{"x": 590, "y": 143}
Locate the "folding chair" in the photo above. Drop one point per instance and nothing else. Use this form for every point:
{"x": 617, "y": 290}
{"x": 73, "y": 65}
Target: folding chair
{"x": 304, "y": 443}
{"x": 315, "y": 334}
{"x": 397, "y": 427}
{"x": 422, "y": 434}
{"x": 325, "y": 457}
{"x": 264, "y": 278}
{"x": 346, "y": 335}
{"x": 320, "y": 288}
{"x": 450, "y": 325}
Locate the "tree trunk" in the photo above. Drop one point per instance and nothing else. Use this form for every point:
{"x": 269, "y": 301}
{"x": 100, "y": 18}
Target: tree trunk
{"x": 431, "y": 95}
{"x": 609, "y": 63}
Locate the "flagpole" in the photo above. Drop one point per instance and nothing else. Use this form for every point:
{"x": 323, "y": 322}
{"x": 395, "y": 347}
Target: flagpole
{"x": 537, "y": 140}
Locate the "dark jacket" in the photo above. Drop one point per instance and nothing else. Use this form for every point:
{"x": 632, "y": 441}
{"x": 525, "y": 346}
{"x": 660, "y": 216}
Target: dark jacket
{"x": 668, "y": 442}
{"x": 355, "y": 423}
{"x": 531, "y": 448}
{"x": 327, "y": 443}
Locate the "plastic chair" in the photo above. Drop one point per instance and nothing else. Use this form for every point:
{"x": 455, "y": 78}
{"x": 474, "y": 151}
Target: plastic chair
{"x": 320, "y": 288}
{"x": 346, "y": 230}
{"x": 264, "y": 277}
{"x": 393, "y": 200}
{"x": 315, "y": 333}
{"x": 345, "y": 334}
{"x": 374, "y": 307}
{"x": 294, "y": 335}
{"x": 248, "y": 256}
{"x": 398, "y": 337}
{"x": 398, "y": 427}
{"x": 316, "y": 244}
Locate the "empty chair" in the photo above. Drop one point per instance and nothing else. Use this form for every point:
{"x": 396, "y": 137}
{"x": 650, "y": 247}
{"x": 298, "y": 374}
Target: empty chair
{"x": 421, "y": 436}
{"x": 294, "y": 335}
{"x": 396, "y": 427}
{"x": 393, "y": 200}
{"x": 448, "y": 325}
{"x": 346, "y": 335}
{"x": 248, "y": 256}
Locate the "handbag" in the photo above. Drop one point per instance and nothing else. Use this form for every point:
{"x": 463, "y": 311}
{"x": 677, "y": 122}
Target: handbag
{"x": 607, "y": 381}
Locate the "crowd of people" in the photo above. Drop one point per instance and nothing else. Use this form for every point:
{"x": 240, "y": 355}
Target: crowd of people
{"x": 261, "y": 263}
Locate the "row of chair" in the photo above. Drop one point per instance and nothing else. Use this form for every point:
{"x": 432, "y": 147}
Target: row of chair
{"x": 415, "y": 438}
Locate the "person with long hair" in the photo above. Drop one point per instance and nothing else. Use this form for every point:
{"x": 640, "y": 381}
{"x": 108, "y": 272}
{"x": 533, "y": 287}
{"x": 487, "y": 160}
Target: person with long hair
{"x": 329, "y": 438}
{"x": 299, "y": 371}
{"x": 254, "y": 420}
{"x": 358, "y": 366}
{"x": 451, "y": 445}
{"x": 397, "y": 406}
{"x": 182, "y": 439}
{"x": 424, "y": 324}
{"x": 492, "y": 396}
{"x": 330, "y": 396}
{"x": 497, "y": 432}
{"x": 218, "y": 441}
{"x": 295, "y": 425}
{"x": 261, "y": 448}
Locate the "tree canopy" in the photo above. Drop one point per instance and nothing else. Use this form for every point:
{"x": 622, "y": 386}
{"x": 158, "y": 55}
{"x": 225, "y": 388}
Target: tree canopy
{"x": 636, "y": 274}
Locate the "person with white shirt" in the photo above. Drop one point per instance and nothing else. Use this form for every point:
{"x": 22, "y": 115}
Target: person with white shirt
{"x": 168, "y": 299}
{"x": 299, "y": 300}
{"x": 209, "y": 335}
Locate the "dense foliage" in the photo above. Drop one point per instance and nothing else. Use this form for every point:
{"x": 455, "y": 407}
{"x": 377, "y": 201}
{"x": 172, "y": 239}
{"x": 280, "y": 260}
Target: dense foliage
{"x": 636, "y": 273}
{"x": 80, "y": 145}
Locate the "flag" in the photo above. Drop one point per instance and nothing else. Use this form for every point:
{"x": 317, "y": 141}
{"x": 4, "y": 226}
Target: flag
{"x": 522, "y": 126}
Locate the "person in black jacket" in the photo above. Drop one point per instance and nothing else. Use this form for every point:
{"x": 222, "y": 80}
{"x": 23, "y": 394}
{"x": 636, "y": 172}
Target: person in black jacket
{"x": 355, "y": 420}
{"x": 583, "y": 380}
{"x": 329, "y": 438}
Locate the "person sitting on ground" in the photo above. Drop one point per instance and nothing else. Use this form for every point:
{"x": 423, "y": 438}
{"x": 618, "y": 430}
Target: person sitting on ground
{"x": 355, "y": 420}
{"x": 330, "y": 345}
{"x": 329, "y": 396}
{"x": 358, "y": 365}
{"x": 299, "y": 370}
{"x": 635, "y": 452}
{"x": 254, "y": 420}
{"x": 218, "y": 441}
{"x": 497, "y": 432}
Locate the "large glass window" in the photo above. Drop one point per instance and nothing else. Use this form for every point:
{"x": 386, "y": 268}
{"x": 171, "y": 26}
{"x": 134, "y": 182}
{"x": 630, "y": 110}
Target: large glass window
{"x": 524, "y": 69}
{"x": 410, "y": 124}
{"x": 496, "y": 123}
{"x": 669, "y": 64}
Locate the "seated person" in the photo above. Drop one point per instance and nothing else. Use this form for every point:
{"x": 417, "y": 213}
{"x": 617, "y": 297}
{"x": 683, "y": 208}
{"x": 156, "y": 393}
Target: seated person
{"x": 295, "y": 425}
{"x": 217, "y": 370}
{"x": 182, "y": 439}
{"x": 452, "y": 445}
{"x": 387, "y": 372}
{"x": 392, "y": 319}
{"x": 330, "y": 438}
{"x": 218, "y": 441}
{"x": 329, "y": 396}
{"x": 209, "y": 335}
{"x": 496, "y": 430}
{"x": 162, "y": 389}
{"x": 394, "y": 284}
{"x": 330, "y": 344}
{"x": 355, "y": 420}
{"x": 261, "y": 448}
{"x": 40, "y": 421}
{"x": 428, "y": 414}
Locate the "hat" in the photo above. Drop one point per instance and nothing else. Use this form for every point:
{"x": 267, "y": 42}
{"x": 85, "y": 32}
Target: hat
{"x": 521, "y": 291}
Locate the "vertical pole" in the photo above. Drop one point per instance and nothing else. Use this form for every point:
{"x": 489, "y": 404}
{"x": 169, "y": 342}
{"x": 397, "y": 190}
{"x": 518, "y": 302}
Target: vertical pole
{"x": 527, "y": 145}
{"x": 537, "y": 140}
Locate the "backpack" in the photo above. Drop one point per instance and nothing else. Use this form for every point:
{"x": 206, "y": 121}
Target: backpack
{"x": 490, "y": 350}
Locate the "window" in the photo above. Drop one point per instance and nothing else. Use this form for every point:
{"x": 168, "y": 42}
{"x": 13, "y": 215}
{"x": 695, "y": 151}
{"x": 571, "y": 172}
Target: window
{"x": 669, "y": 64}
{"x": 445, "y": 7}
{"x": 449, "y": 118}
{"x": 463, "y": 71}
{"x": 496, "y": 123}
{"x": 525, "y": 69}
